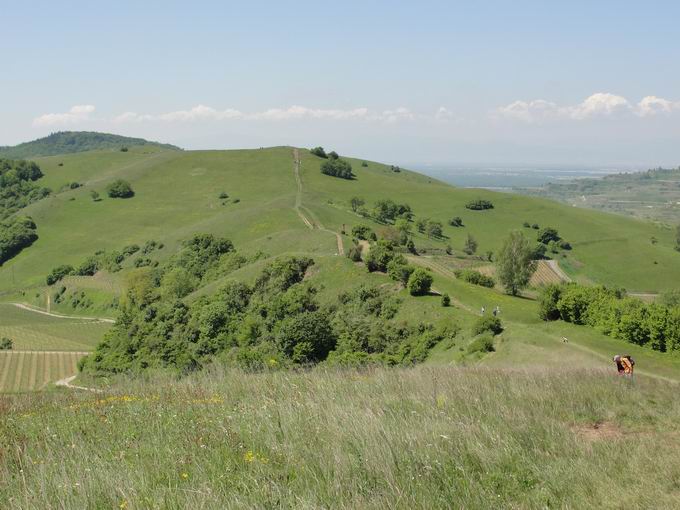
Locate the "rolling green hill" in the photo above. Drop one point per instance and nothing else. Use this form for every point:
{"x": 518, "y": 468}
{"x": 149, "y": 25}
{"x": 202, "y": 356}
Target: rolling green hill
{"x": 256, "y": 199}
{"x": 67, "y": 142}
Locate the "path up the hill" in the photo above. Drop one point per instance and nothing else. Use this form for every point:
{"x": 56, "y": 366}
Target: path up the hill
{"x": 305, "y": 214}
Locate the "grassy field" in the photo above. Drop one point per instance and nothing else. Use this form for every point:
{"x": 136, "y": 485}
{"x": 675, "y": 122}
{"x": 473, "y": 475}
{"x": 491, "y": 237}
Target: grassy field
{"x": 35, "y": 331}
{"x": 418, "y": 438}
{"x": 22, "y": 371}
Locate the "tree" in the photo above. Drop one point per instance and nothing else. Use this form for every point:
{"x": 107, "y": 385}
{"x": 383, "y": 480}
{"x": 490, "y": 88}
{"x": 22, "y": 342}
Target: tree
{"x": 333, "y": 155}
{"x": 318, "y": 151}
{"x": 356, "y": 202}
{"x": 306, "y": 337}
{"x": 547, "y": 234}
{"x": 470, "y": 245}
{"x": 120, "y": 189}
{"x": 419, "y": 282}
{"x": 456, "y": 221}
{"x": 94, "y": 195}
{"x": 421, "y": 224}
{"x": 446, "y": 300}
{"x": 479, "y": 205}
{"x": 337, "y": 168}
{"x": 58, "y": 273}
{"x": 434, "y": 229}
{"x": 379, "y": 256}
{"x": 6, "y": 344}
{"x": 514, "y": 264}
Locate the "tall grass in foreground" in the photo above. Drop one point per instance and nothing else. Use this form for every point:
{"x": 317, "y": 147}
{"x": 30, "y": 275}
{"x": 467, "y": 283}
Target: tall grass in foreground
{"x": 417, "y": 438}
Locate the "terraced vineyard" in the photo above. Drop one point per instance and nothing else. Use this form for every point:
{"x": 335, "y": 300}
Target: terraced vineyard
{"x": 34, "y": 370}
{"x": 46, "y": 348}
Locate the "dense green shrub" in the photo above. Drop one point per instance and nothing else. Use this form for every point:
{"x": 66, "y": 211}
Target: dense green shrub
{"x": 318, "y": 151}
{"x": 15, "y": 235}
{"x": 470, "y": 245}
{"x": 483, "y": 344}
{"x": 337, "y": 168}
{"x": 487, "y": 323}
{"x": 548, "y": 299}
{"x": 379, "y": 256}
{"x": 479, "y": 205}
{"x": 6, "y": 344}
{"x": 446, "y": 300}
{"x": 547, "y": 234}
{"x": 419, "y": 282}
{"x": 120, "y": 189}
{"x": 611, "y": 312}
{"x": 385, "y": 211}
{"x": 399, "y": 270}
{"x": 58, "y": 273}
{"x": 456, "y": 221}
{"x": 475, "y": 277}
{"x": 361, "y": 232}
{"x": 17, "y": 186}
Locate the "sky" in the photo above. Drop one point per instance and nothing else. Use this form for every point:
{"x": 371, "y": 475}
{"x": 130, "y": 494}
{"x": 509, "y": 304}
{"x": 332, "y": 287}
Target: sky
{"x": 504, "y": 82}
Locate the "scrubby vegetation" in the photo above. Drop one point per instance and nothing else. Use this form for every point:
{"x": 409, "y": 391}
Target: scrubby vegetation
{"x": 337, "y": 168}
{"x": 17, "y": 186}
{"x": 275, "y": 321}
{"x": 475, "y": 277}
{"x": 15, "y": 235}
{"x": 6, "y": 344}
{"x": 613, "y": 313}
{"x": 120, "y": 188}
{"x": 479, "y": 205}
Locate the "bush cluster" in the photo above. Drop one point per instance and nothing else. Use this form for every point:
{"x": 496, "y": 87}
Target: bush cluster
{"x": 275, "y": 322}
{"x": 337, "y": 167}
{"x": 479, "y": 205}
{"x": 15, "y": 235}
{"x": 120, "y": 189}
{"x": 475, "y": 277}
{"x": 613, "y": 313}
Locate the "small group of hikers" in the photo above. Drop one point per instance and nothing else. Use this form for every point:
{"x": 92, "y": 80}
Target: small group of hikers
{"x": 624, "y": 364}
{"x": 496, "y": 311}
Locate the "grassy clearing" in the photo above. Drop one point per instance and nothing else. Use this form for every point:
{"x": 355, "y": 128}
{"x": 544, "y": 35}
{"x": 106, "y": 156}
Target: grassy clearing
{"x": 419, "y": 438}
{"x": 32, "y": 371}
{"x": 34, "y": 331}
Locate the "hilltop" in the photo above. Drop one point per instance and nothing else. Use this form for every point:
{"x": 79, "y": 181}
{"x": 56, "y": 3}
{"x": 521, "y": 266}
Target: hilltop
{"x": 68, "y": 142}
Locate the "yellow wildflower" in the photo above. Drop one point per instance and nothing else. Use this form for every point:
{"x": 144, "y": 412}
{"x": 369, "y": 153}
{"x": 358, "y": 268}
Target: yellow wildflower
{"x": 249, "y": 456}
{"x": 184, "y": 476}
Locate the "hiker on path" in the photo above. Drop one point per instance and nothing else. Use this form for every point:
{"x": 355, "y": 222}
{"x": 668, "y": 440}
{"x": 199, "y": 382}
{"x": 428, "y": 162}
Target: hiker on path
{"x": 624, "y": 364}
{"x": 483, "y": 310}
{"x": 496, "y": 311}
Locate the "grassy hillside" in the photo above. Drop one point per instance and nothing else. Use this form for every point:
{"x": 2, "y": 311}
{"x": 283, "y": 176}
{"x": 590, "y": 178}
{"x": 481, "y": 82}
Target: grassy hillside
{"x": 266, "y": 213}
{"x": 177, "y": 194}
{"x": 66, "y": 142}
{"x": 418, "y": 438}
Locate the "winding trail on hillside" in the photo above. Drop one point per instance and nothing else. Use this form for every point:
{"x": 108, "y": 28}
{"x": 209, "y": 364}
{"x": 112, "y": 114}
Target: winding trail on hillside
{"x": 66, "y": 383}
{"x": 300, "y": 209}
{"x": 29, "y": 308}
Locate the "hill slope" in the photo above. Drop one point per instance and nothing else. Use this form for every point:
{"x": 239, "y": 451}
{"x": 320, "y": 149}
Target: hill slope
{"x": 68, "y": 142}
{"x": 253, "y": 198}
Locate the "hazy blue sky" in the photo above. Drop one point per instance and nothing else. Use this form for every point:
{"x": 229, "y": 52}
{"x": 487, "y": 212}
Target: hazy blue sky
{"x": 592, "y": 82}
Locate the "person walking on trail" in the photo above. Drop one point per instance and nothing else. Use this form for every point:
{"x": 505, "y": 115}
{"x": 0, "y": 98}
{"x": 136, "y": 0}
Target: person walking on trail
{"x": 483, "y": 310}
{"x": 624, "y": 364}
{"x": 496, "y": 311}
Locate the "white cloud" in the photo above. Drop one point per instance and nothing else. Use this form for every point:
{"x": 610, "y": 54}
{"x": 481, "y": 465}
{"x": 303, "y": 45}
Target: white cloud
{"x": 76, "y": 114}
{"x": 652, "y": 105}
{"x": 598, "y": 105}
{"x": 532, "y": 111}
{"x": 203, "y": 113}
{"x": 443, "y": 114}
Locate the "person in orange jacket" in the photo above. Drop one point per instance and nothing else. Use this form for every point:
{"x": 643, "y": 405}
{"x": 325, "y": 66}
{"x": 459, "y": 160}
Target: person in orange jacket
{"x": 624, "y": 364}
